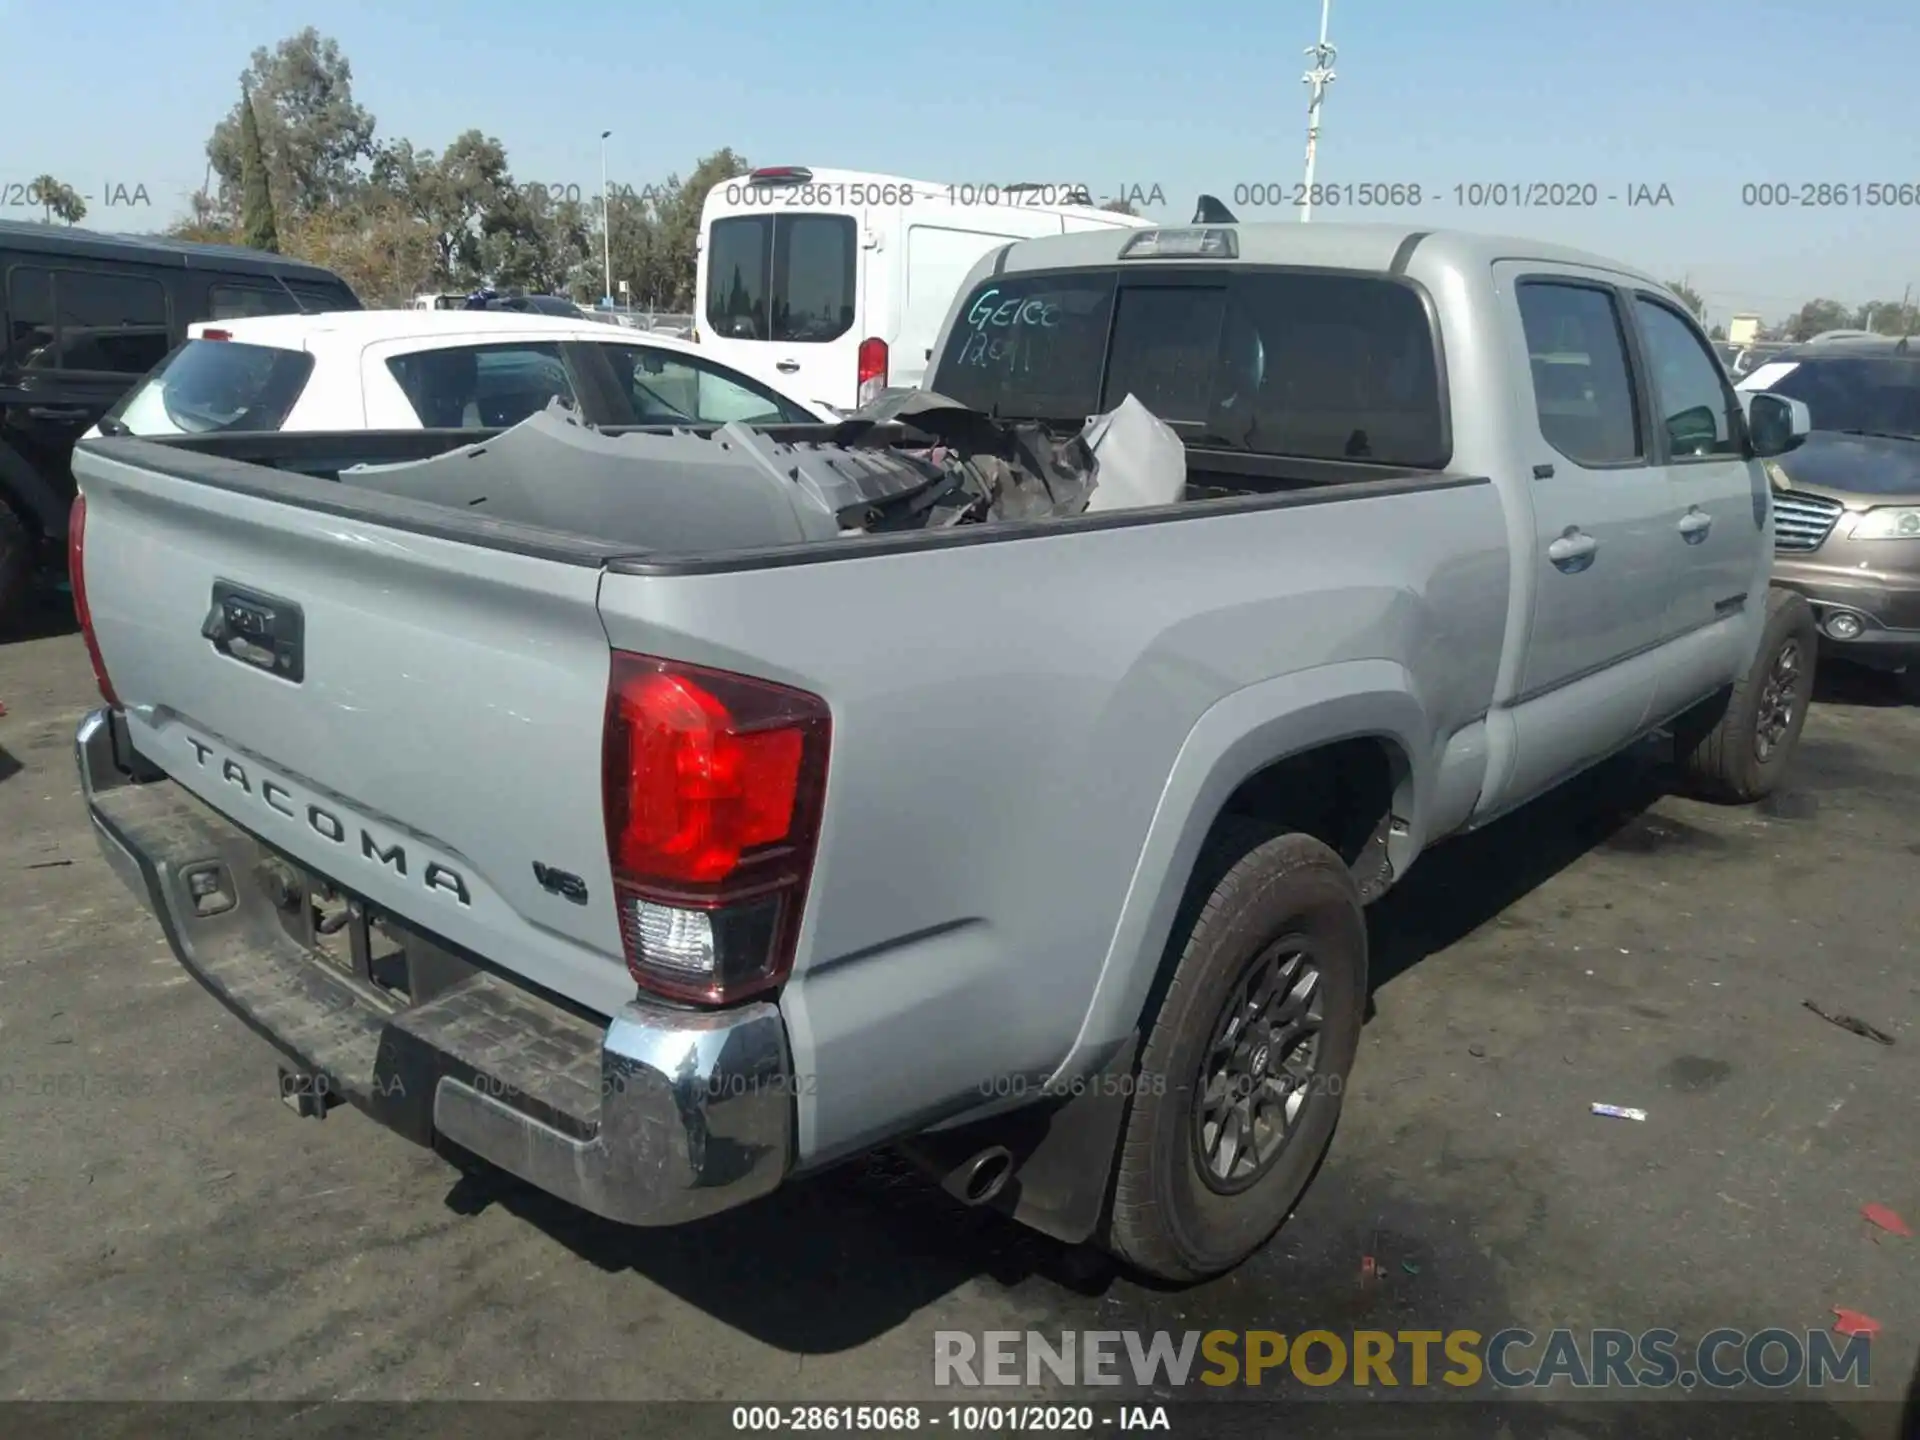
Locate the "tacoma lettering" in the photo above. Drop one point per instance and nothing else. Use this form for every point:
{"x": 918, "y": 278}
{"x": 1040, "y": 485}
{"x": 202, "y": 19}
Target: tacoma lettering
{"x": 327, "y": 825}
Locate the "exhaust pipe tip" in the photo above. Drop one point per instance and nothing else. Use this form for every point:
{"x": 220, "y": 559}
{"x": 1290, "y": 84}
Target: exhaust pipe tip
{"x": 981, "y": 1177}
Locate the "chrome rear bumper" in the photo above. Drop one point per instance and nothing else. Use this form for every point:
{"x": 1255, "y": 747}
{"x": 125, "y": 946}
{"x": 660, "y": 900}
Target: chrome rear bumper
{"x": 656, "y": 1117}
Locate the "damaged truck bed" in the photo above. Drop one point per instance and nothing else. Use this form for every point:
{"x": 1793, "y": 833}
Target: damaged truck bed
{"x": 738, "y": 488}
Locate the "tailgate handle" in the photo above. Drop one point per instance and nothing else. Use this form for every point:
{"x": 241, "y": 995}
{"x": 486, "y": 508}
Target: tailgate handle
{"x": 260, "y": 630}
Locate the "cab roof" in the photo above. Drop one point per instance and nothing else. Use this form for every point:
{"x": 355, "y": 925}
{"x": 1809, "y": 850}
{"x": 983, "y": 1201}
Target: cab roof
{"x": 1369, "y": 248}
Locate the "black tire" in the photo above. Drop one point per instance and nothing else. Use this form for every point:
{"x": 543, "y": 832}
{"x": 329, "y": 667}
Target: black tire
{"x": 1722, "y": 748}
{"x": 19, "y": 556}
{"x": 1168, "y": 1218}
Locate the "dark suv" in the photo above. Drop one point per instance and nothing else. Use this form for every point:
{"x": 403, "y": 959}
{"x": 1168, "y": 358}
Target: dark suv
{"x": 85, "y": 316}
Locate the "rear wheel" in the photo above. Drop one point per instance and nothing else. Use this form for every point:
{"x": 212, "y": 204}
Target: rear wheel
{"x": 18, "y": 557}
{"x": 1243, "y": 1069}
{"x": 1737, "y": 749}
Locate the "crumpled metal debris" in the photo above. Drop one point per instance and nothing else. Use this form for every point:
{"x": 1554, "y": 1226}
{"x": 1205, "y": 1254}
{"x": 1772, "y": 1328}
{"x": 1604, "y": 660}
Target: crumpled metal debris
{"x": 740, "y": 488}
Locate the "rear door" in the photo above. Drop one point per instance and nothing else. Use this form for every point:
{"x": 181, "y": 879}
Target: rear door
{"x": 1603, "y": 579}
{"x": 1602, "y": 557}
{"x": 785, "y": 290}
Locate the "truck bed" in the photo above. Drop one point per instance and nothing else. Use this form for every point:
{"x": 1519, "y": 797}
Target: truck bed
{"x": 236, "y": 461}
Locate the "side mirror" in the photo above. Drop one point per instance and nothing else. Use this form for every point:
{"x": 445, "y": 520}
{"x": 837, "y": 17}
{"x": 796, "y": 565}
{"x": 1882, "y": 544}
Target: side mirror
{"x": 1775, "y": 424}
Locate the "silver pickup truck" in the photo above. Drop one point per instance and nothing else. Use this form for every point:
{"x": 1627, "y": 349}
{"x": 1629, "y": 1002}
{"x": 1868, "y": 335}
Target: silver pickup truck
{"x": 1035, "y": 848}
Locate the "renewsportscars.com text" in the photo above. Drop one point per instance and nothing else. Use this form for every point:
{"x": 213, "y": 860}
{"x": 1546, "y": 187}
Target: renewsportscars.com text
{"x": 1510, "y": 1359}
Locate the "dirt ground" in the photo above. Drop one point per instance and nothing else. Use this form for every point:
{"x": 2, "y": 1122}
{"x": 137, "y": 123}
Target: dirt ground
{"x": 171, "y": 1231}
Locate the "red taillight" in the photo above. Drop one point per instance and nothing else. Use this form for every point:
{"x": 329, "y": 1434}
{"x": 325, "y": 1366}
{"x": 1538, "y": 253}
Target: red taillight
{"x": 873, "y": 369}
{"x": 77, "y": 578}
{"x": 216, "y": 334}
{"x": 714, "y": 785}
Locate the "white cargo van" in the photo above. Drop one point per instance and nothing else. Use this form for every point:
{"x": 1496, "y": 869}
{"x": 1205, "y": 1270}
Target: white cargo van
{"x": 839, "y": 279}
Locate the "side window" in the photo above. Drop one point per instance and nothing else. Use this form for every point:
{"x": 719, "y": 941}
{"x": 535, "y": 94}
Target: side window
{"x": 236, "y": 302}
{"x": 1695, "y": 403}
{"x": 1582, "y": 384}
{"x": 666, "y": 388}
{"x": 481, "y": 386}
{"x": 29, "y": 319}
{"x": 111, "y": 324}
{"x": 1165, "y": 341}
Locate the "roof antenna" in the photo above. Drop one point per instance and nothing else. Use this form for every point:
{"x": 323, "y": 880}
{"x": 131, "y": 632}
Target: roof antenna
{"x": 1211, "y": 212}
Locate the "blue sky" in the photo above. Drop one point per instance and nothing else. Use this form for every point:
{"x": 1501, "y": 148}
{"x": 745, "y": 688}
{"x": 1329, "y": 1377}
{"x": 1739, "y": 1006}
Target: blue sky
{"x": 1702, "y": 96}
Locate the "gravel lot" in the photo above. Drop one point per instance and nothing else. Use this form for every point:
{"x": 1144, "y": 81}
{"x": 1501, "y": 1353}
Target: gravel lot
{"x": 173, "y": 1232}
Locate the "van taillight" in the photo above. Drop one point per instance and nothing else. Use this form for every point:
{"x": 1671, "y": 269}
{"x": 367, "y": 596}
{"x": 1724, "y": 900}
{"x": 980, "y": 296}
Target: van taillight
{"x": 873, "y": 370}
{"x": 713, "y": 788}
{"x": 216, "y": 335}
{"x": 77, "y": 578}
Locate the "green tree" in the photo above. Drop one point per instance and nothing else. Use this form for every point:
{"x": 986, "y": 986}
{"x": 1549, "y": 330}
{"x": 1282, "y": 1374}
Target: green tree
{"x": 670, "y": 275}
{"x": 1888, "y": 317}
{"x": 450, "y": 194}
{"x": 1688, "y": 297}
{"x": 530, "y": 241}
{"x": 256, "y": 197}
{"x": 1818, "y": 315}
{"x": 57, "y": 200}
{"x": 316, "y": 138}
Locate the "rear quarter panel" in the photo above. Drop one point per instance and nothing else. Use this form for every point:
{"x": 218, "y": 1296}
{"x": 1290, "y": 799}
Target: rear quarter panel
{"x": 1010, "y": 718}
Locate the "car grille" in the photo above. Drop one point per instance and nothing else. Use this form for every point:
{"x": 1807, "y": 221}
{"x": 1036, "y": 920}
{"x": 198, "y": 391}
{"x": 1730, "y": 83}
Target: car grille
{"x": 1802, "y": 522}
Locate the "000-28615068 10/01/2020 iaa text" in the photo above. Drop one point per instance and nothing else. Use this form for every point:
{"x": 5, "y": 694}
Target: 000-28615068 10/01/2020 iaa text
{"x": 1370, "y": 195}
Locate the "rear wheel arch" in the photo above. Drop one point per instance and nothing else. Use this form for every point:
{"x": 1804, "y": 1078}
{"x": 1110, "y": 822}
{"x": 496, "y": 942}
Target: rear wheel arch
{"x": 1241, "y": 736}
{"x": 1356, "y": 795}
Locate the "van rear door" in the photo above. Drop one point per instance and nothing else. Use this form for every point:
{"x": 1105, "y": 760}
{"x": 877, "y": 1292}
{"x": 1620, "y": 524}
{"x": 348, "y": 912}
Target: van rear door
{"x": 785, "y": 288}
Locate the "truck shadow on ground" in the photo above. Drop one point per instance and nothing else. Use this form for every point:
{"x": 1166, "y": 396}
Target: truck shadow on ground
{"x": 1838, "y": 683}
{"x": 1467, "y": 882}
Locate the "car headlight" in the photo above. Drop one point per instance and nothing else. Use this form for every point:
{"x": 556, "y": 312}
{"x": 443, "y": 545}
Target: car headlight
{"x": 1888, "y": 522}
{"x": 1776, "y": 475}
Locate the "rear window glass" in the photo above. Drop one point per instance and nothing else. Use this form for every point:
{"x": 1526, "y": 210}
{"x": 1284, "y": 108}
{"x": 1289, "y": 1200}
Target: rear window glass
{"x": 210, "y": 386}
{"x": 1312, "y": 366}
{"x": 1030, "y": 347}
{"x": 790, "y": 278}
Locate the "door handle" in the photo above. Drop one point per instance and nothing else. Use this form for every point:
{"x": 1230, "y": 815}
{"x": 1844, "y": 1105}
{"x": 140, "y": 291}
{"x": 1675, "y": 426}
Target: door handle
{"x": 1572, "y": 550}
{"x": 56, "y": 412}
{"x": 787, "y": 367}
{"x": 1694, "y": 525}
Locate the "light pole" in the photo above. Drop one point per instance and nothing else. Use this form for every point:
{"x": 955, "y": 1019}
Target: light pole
{"x": 1317, "y": 79}
{"x": 606, "y": 220}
